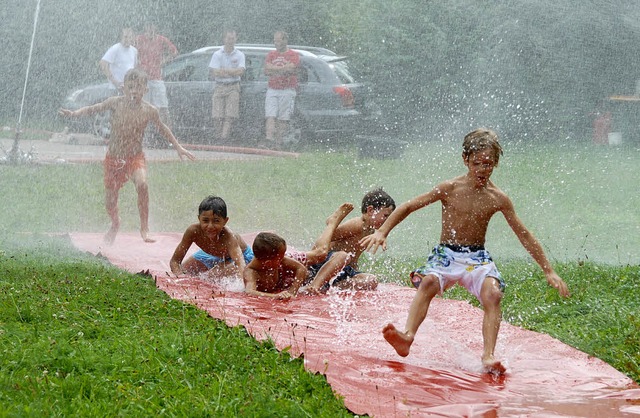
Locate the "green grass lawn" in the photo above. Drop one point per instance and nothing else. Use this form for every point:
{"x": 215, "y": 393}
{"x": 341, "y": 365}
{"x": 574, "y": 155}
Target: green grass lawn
{"x": 580, "y": 200}
{"x": 80, "y": 338}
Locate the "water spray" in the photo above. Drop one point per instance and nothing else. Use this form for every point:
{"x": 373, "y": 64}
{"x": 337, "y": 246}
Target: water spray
{"x": 15, "y": 155}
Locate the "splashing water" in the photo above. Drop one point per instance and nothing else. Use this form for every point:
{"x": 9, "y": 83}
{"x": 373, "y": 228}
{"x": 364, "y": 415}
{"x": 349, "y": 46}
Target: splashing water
{"x": 341, "y": 310}
{"x": 226, "y": 283}
{"x": 15, "y": 155}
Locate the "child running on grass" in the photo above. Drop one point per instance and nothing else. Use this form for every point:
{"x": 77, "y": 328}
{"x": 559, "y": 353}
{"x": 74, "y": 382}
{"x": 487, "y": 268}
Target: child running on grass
{"x": 222, "y": 252}
{"x": 278, "y": 273}
{"x": 125, "y": 159}
{"x": 376, "y": 207}
{"x": 468, "y": 204}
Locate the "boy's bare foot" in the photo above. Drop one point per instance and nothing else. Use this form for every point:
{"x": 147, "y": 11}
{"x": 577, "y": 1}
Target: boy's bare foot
{"x": 340, "y": 213}
{"x": 110, "y": 236}
{"x": 145, "y": 236}
{"x": 398, "y": 340}
{"x": 493, "y": 366}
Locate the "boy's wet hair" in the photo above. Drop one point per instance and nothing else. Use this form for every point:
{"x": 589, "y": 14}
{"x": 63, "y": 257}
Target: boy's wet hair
{"x": 215, "y": 204}
{"x": 479, "y": 140}
{"x": 267, "y": 245}
{"x": 136, "y": 74}
{"x": 377, "y": 199}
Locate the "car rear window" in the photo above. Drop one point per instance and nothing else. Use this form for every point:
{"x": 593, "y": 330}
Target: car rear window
{"x": 342, "y": 71}
{"x": 191, "y": 68}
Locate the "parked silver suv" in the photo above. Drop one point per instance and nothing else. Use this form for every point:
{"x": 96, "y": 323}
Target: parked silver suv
{"x": 330, "y": 104}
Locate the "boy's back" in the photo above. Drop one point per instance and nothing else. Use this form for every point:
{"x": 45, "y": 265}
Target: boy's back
{"x": 347, "y": 238}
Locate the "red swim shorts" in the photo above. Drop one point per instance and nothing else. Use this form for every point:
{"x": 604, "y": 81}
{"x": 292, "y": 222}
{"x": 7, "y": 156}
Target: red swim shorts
{"x": 118, "y": 171}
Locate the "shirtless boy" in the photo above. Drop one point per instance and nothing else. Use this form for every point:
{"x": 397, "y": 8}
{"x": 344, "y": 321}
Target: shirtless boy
{"x": 222, "y": 252}
{"x": 376, "y": 207}
{"x": 125, "y": 160}
{"x": 278, "y": 273}
{"x": 468, "y": 204}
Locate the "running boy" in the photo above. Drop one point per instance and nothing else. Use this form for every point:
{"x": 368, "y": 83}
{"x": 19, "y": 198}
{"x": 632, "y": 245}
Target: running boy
{"x": 222, "y": 252}
{"x": 468, "y": 203}
{"x": 278, "y": 273}
{"x": 125, "y": 160}
{"x": 376, "y": 207}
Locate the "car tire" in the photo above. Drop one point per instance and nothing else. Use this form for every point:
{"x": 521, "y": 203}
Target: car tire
{"x": 299, "y": 131}
{"x": 102, "y": 125}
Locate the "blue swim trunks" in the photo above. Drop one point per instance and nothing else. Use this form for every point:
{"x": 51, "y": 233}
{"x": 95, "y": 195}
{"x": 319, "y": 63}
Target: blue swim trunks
{"x": 211, "y": 260}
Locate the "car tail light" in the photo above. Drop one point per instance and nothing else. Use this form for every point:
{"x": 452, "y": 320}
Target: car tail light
{"x": 346, "y": 96}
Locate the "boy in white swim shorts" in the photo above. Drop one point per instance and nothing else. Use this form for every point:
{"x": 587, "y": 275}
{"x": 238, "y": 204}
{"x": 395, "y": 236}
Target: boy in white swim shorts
{"x": 468, "y": 203}
{"x": 467, "y": 266}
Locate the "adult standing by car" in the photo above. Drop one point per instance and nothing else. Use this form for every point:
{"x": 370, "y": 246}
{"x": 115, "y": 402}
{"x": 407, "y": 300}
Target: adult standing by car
{"x": 281, "y": 66}
{"x": 227, "y": 66}
{"x": 154, "y": 50}
{"x": 119, "y": 59}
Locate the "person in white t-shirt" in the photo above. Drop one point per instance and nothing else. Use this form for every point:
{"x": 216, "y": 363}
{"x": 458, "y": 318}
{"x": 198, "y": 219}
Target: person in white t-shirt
{"x": 119, "y": 59}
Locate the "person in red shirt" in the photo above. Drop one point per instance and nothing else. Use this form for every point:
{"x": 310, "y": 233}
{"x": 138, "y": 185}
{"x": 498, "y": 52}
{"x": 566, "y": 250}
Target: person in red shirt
{"x": 154, "y": 50}
{"x": 281, "y": 66}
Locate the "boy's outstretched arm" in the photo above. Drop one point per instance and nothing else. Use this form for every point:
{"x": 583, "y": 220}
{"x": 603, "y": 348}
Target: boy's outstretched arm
{"x": 379, "y": 238}
{"x": 235, "y": 253}
{"x": 181, "y": 250}
{"x": 250, "y": 278}
{"x": 87, "y": 110}
{"x": 166, "y": 132}
{"x": 533, "y": 247}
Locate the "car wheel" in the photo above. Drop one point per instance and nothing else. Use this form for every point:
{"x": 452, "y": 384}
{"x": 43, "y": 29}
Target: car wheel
{"x": 299, "y": 132}
{"x": 102, "y": 124}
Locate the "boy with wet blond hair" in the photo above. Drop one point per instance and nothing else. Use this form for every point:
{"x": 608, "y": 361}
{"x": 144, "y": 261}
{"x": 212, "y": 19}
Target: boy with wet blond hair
{"x": 125, "y": 159}
{"x": 468, "y": 203}
{"x": 277, "y": 273}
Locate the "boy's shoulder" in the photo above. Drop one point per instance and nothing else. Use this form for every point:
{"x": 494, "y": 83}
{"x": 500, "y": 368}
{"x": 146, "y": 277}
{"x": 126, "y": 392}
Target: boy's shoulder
{"x": 350, "y": 229}
{"x": 193, "y": 228}
{"x": 353, "y": 223}
{"x": 193, "y": 231}
{"x": 147, "y": 107}
{"x": 112, "y": 101}
{"x": 453, "y": 182}
{"x": 227, "y": 235}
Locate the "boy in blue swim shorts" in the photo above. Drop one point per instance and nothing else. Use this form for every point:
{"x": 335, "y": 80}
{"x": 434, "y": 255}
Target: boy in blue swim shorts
{"x": 375, "y": 208}
{"x": 222, "y": 252}
{"x": 468, "y": 203}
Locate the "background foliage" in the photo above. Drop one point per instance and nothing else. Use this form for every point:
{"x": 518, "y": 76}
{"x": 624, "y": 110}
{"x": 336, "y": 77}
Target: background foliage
{"x": 528, "y": 69}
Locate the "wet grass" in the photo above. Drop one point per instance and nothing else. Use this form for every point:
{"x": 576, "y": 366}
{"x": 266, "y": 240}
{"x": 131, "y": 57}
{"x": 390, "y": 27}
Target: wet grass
{"x": 580, "y": 200}
{"x": 81, "y": 338}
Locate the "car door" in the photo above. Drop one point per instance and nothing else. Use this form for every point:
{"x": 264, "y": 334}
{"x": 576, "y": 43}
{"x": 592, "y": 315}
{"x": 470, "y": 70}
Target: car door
{"x": 190, "y": 93}
{"x": 253, "y": 90}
